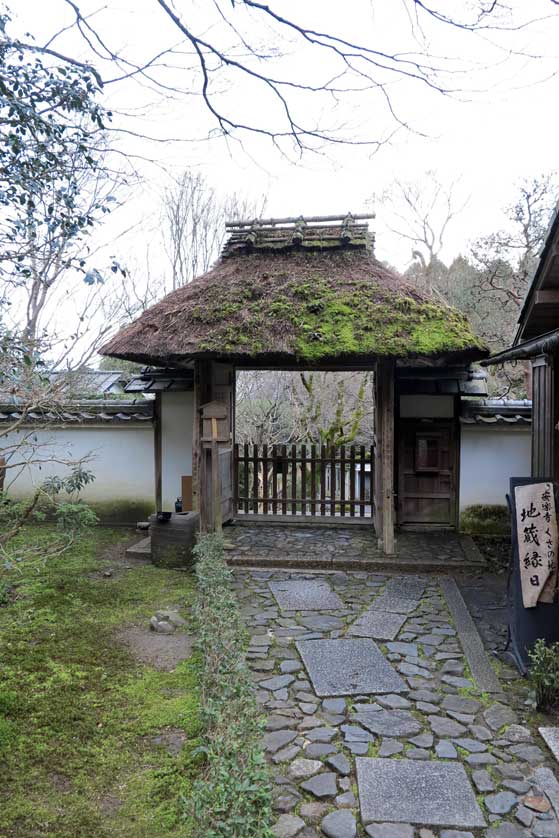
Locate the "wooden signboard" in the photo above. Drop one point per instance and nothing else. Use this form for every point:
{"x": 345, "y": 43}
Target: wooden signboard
{"x": 532, "y": 588}
{"x": 536, "y": 533}
{"x": 215, "y": 424}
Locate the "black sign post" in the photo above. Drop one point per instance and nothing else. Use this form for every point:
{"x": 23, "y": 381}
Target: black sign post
{"x": 526, "y": 625}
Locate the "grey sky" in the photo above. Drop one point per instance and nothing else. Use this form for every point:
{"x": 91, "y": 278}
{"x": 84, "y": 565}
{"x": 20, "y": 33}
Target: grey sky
{"x": 499, "y": 126}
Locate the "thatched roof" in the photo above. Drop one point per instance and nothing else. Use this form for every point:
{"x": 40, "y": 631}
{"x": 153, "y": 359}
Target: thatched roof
{"x": 297, "y": 295}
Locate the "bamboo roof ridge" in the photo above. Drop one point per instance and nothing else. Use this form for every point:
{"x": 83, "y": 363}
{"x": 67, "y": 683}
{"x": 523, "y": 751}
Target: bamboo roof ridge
{"x": 314, "y": 233}
{"x": 298, "y": 292}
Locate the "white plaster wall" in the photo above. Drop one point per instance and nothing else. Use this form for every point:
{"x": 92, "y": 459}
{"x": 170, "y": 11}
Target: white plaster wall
{"x": 121, "y": 459}
{"x": 489, "y": 456}
{"x": 177, "y": 423}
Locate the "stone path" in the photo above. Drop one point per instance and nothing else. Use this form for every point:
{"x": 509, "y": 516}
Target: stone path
{"x": 350, "y": 547}
{"x": 375, "y": 726}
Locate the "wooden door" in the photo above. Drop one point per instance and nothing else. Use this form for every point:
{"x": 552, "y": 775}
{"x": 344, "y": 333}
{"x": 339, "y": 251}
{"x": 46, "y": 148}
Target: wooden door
{"x": 426, "y": 473}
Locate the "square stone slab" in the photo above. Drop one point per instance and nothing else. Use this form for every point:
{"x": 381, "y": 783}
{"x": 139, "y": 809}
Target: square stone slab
{"x": 395, "y": 604}
{"x": 405, "y": 587}
{"x": 406, "y": 791}
{"x": 551, "y": 738}
{"x": 380, "y": 624}
{"x": 348, "y": 667}
{"x": 305, "y": 595}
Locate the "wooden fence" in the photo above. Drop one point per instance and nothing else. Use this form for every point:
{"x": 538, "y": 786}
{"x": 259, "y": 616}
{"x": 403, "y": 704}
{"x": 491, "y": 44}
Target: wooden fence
{"x": 304, "y": 480}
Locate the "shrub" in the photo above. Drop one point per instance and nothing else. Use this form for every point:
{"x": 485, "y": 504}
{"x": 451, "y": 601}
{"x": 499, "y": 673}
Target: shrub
{"x": 233, "y": 797}
{"x": 544, "y": 673}
{"x": 74, "y": 518}
{"x": 485, "y": 519}
{"x": 10, "y": 510}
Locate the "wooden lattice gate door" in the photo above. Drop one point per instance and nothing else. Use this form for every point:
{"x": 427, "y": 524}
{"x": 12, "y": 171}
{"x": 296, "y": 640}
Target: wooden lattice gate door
{"x": 313, "y": 481}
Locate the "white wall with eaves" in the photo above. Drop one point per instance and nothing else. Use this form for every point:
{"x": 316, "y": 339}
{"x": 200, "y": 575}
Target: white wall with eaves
{"x": 489, "y": 456}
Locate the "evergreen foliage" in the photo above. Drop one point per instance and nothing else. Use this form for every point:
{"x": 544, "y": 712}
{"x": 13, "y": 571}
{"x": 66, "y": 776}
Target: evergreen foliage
{"x": 233, "y": 797}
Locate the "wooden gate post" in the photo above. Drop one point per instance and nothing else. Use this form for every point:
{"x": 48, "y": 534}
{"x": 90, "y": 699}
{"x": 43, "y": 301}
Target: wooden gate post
{"x": 216, "y": 480}
{"x": 215, "y": 433}
{"x": 384, "y": 455}
{"x": 202, "y": 395}
{"x": 157, "y": 453}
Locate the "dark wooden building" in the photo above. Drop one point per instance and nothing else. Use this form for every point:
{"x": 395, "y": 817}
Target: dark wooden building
{"x": 537, "y": 341}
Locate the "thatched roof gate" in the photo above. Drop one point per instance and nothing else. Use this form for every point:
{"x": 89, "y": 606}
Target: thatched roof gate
{"x": 309, "y": 294}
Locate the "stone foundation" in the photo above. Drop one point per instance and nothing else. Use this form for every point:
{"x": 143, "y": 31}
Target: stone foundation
{"x": 172, "y": 542}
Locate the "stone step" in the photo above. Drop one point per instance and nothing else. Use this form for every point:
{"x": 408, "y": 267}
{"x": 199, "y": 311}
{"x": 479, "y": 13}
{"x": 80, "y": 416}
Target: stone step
{"x": 304, "y": 561}
{"x": 140, "y": 550}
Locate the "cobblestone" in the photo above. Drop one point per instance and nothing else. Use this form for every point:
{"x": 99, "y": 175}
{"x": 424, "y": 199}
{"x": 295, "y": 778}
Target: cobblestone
{"x": 339, "y": 825}
{"x": 274, "y": 546}
{"x": 313, "y": 742}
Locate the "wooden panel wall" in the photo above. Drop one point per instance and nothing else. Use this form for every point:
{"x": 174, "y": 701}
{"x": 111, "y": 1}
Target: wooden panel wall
{"x": 543, "y": 417}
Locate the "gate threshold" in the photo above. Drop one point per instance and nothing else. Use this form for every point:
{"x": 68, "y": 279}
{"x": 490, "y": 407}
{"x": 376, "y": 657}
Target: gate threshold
{"x": 302, "y": 521}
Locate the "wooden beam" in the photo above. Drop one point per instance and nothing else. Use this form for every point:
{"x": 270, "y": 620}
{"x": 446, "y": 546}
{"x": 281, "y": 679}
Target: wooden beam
{"x": 292, "y": 219}
{"x": 385, "y": 448}
{"x": 377, "y": 465}
{"x": 388, "y": 462}
{"x": 157, "y": 453}
{"x": 202, "y": 394}
{"x": 547, "y": 297}
{"x": 216, "y": 523}
{"x": 196, "y": 441}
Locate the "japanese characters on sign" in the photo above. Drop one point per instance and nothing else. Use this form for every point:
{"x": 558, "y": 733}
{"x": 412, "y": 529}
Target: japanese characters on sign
{"x": 536, "y": 524}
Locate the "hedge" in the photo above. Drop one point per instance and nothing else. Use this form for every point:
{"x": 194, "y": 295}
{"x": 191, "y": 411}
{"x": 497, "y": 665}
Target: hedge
{"x": 233, "y": 797}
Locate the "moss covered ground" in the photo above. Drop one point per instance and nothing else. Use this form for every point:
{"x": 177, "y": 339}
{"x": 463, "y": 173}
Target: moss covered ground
{"x": 77, "y": 713}
{"x": 485, "y": 519}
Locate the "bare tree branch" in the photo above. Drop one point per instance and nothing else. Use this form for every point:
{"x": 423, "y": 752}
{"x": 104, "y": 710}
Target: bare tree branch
{"x": 245, "y": 42}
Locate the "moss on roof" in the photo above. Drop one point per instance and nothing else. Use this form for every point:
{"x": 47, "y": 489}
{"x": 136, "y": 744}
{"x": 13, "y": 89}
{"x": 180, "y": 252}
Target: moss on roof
{"x": 297, "y": 306}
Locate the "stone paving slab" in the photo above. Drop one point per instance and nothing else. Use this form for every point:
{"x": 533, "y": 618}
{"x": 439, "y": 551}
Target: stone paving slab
{"x": 547, "y": 782}
{"x": 142, "y": 549}
{"x": 394, "y": 603}
{"x": 405, "y": 791}
{"x": 480, "y": 666}
{"x": 381, "y": 625}
{"x": 550, "y": 736}
{"x": 305, "y": 595}
{"x": 348, "y": 667}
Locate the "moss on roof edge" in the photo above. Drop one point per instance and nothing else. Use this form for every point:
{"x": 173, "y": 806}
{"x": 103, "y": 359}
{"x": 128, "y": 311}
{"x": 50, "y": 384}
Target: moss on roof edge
{"x": 300, "y": 308}
{"x": 325, "y": 325}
